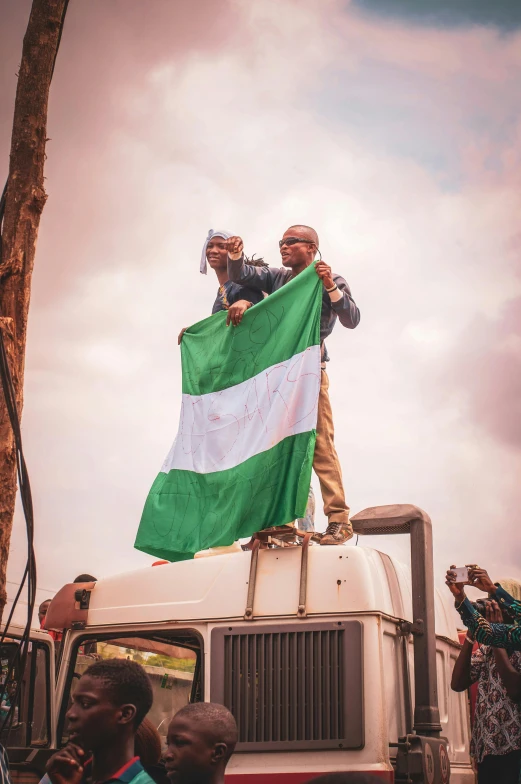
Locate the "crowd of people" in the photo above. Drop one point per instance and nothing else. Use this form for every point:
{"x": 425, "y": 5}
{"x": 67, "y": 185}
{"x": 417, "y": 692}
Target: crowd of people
{"x": 491, "y": 658}
{"x": 111, "y": 740}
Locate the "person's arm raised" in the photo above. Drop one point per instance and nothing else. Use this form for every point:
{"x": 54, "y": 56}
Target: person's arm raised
{"x": 239, "y": 271}
{"x": 499, "y": 635}
{"x": 480, "y": 579}
{"x": 468, "y": 614}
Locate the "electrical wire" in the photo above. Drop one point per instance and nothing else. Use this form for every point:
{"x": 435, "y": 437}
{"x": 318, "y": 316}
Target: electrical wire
{"x": 19, "y": 661}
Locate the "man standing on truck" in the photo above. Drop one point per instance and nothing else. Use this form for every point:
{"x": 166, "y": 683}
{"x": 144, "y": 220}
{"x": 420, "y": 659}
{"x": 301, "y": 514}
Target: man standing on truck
{"x": 298, "y": 248}
{"x": 109, "y": 703}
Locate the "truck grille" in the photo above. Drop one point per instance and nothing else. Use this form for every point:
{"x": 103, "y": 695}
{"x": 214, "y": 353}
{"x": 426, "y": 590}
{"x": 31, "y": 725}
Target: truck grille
{"x": 287, "y": 686}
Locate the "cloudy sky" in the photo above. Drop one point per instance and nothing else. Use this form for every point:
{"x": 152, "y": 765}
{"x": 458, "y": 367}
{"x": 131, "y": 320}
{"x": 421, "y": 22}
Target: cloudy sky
{"x": 397, "y": 136}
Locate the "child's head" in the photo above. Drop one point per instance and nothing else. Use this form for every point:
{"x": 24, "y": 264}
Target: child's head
{"x": 42, "y": 610}
{"x": 201, "y": 740}
{"x": 110, "y": 701}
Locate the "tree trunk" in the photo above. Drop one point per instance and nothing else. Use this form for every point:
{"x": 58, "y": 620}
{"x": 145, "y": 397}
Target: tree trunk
{"x": 25, "y": 199}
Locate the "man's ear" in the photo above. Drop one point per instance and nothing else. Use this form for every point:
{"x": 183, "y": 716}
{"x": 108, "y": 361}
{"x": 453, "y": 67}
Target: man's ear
{"x": 220, "y": 751}
{"x": 128, "y": 714}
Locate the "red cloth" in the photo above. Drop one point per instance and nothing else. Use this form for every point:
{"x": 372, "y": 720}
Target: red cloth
{"x": 56, "y": 636}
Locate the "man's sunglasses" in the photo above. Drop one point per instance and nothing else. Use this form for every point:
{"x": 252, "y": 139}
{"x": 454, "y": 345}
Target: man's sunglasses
{"x": 293, "y": 241}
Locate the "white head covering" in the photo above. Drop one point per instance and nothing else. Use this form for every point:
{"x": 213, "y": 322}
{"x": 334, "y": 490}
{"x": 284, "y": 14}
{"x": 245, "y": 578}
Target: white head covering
{"x": 211, "y": 234}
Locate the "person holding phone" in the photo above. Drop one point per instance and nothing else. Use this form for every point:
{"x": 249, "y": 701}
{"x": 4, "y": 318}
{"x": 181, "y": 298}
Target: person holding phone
{"x": 298, "y": 248}
{"x": 495, "y": 743}
{"x": 499, "y": 635}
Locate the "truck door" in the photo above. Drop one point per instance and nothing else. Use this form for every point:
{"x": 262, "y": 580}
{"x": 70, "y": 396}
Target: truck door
{"x": 27, "y": 712}
{"x": 172, "y": 659}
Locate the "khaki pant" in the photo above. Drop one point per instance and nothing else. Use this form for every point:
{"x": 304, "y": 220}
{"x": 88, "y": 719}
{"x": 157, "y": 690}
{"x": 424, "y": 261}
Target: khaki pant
{"x": 325, "y": 462}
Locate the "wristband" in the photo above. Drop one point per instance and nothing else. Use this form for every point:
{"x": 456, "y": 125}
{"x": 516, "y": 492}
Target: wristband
{"x": 335, "y": 287}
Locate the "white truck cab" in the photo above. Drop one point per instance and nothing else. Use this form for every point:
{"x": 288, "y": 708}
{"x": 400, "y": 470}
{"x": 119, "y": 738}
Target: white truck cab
{"x": 28, "y": 713}
{"x": 330, "y": 658}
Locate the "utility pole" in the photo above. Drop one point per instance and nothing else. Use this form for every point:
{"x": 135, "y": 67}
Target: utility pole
{"x": 25, "y": 198}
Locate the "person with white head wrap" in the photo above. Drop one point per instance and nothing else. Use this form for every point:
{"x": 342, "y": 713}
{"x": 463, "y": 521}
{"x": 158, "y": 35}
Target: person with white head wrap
{"x": 233, "y": 297}
{"x": 211, "y": 234}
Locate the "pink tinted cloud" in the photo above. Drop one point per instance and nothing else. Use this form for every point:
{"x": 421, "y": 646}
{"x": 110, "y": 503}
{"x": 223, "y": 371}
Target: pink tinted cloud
{"x": 165, "y": 122}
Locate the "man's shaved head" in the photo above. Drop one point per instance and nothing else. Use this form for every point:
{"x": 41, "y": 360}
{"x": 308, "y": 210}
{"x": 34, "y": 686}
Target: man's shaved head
{"x": 302, "y": 247}
{"x": 213, "y": 720}
{"x": 304, "y": 231}
{"x": 201, "y": 739}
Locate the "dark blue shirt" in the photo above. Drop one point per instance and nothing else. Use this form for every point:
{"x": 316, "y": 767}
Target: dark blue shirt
{"x": 233, "y": 292}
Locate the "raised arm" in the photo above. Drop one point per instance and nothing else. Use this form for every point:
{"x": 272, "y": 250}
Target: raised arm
{"x": 258, "y": 278}
{"x": 499, "y": 635}
{"x": 479, "y": 579}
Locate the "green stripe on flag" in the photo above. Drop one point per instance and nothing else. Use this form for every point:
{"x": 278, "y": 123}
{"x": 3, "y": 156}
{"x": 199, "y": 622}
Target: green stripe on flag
{"x": 186, "y": 512}
{"x": 216, "y": 357}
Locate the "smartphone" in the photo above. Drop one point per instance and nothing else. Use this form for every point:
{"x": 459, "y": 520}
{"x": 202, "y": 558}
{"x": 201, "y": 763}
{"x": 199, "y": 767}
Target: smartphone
{"x": 462, "y": 575}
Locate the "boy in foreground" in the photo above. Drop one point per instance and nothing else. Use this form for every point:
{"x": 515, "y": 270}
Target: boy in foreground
{"x": 111, "y": 700}
{"x": 201, "y": 739}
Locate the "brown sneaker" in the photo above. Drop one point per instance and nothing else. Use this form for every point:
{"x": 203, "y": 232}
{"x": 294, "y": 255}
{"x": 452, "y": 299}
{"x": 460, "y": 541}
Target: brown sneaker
{"x": 337, "y": 533}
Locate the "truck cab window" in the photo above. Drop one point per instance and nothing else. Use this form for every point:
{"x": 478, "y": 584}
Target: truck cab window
{"x": 24, "y": 708}
{"x": 171, "y": 663}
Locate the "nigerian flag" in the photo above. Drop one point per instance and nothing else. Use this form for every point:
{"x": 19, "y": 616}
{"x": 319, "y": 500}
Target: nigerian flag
{"x": 242, "y": 457}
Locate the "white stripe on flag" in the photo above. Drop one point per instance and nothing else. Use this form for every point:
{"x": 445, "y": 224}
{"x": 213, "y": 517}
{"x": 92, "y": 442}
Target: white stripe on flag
{"x": 221, "y": 430}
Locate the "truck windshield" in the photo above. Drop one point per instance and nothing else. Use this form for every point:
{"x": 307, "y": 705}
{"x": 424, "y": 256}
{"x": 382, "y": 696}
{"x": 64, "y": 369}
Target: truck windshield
{"x": 171, "y": 663}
